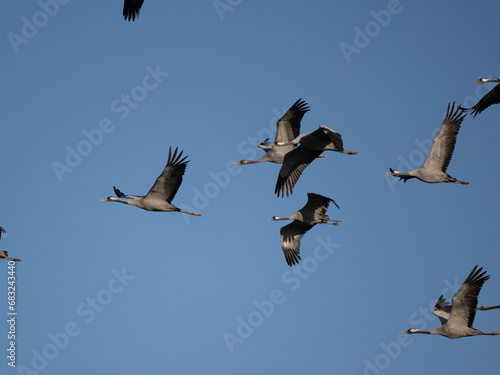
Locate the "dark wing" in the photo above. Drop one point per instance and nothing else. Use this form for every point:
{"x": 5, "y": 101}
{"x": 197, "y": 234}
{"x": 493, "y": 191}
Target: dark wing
{"x": 317, "y": 205}
{"x": 442, "y": 309}
{"x": 131, "y": 9}
{"x": 168, "y": 182}
{"x": 290, "y": 240}
{"x": 493, "y": 97}
{"x": 3, "y": 254}
{"x": 294, "y": 164}
{"x": 464, "y": 302}
{"x": 332, "y": 136}
{"x": 1, "y": 231}
{"x": 288, "y": 127}
{"x": 119, "y": 194}
{"x": 444, "y": 142}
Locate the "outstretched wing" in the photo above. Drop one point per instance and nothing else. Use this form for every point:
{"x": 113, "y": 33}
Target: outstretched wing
{"x": 444, "y": 142}
{"x": 168, "y": 182}
{"x": 131, "y": 9}
{"x": 288, "y": 127}
{"x": 442, "y": 309}
{"x": 317, "y": 206}
{"x": 294, "y": 164}
{"x": 464, "y": 302}
{"x": 290, "y": 240}
{"x": 492, "y": 97}
{"x": 1, "y": 231}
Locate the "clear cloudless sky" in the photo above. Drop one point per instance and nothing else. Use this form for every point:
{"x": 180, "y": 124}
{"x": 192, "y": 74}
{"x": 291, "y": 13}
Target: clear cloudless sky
{"x": 90, "y": 101}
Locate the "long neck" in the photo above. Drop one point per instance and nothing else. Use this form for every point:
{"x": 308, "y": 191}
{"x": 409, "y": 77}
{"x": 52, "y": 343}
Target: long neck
{"x": 420, "y": 331}
{"x": 277, "y": 218}
{"x": 120, "y": 201}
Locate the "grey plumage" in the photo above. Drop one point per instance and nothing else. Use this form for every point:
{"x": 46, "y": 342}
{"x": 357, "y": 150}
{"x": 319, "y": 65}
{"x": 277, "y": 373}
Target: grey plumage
{"x": 163, "y": 191}
{"x": 131, "y": 9}
{"x": 287, "y": 128}
{"x": 314, "y": 212}
{"x": 312, "y": 144}
{"x": 463, "y": 310}
{"x": 443, "y": 145}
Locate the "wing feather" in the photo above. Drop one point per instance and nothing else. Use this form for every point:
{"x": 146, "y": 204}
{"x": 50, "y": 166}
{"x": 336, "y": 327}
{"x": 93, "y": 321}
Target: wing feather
{"x": 291, "y": 235}
{"x": 167, "y": 184}
{"x": 294, "y": 164}
{"x": 131, "y": 9}
{"x": 442, "y": 309}
{"x": 464, "y": 302}
{"x": 492, "y": 97}
{"x": 288, "y": 126}
{"x": 444, "y": 142}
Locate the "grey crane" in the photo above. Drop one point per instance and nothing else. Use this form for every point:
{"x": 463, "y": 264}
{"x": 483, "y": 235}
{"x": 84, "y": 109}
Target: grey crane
{"x": 287, "y": 128}
{"x": 492, "y": 97}
{"x": 312, "y": 144}
{"x": 5, "y": 255}
{"x": 463, "y": 310}
{"x": 436, "y": 164}
{"x": 160, "y": 196}
{"x": 131, "y": 9}
{"x": 314, "y": 212}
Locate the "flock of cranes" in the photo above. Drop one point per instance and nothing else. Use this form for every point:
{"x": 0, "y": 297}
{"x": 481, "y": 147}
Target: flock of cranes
{"x": 295, "y": 151}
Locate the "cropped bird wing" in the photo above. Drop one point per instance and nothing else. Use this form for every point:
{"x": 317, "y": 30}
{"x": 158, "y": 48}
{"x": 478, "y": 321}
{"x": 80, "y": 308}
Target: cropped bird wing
{"x": 294, "y": 164}
{"x": 290, "y": 240}
{"x": 3, "y": 254}
{"x": 265, "y": 145}
{"x": 464, "y": 302}
{"x": 492, "y": 97}
{"x": 442, "y": 309}
{"x": 317, "y": 204}
{"x": 119, "y": 194}
{"x": 1, "y": 231}
{"x": 288, "y": 127}
{"x": 168, "y": 182}
{"x": 131, "y": 9}
{"x": 444, "y": 142}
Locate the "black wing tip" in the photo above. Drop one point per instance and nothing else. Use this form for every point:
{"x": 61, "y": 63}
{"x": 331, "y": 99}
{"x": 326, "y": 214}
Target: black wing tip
{"x": 118, "y": 193}
{"x": 300, "y": 105}
{"x": 293, "y": 259}
{"x": 174, "y": 159}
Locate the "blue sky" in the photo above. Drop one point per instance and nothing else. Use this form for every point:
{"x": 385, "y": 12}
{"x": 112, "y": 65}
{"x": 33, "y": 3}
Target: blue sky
{"x": 91, "y": 102}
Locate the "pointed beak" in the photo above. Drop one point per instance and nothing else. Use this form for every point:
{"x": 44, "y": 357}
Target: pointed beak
{"x": 238, "y": 163}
